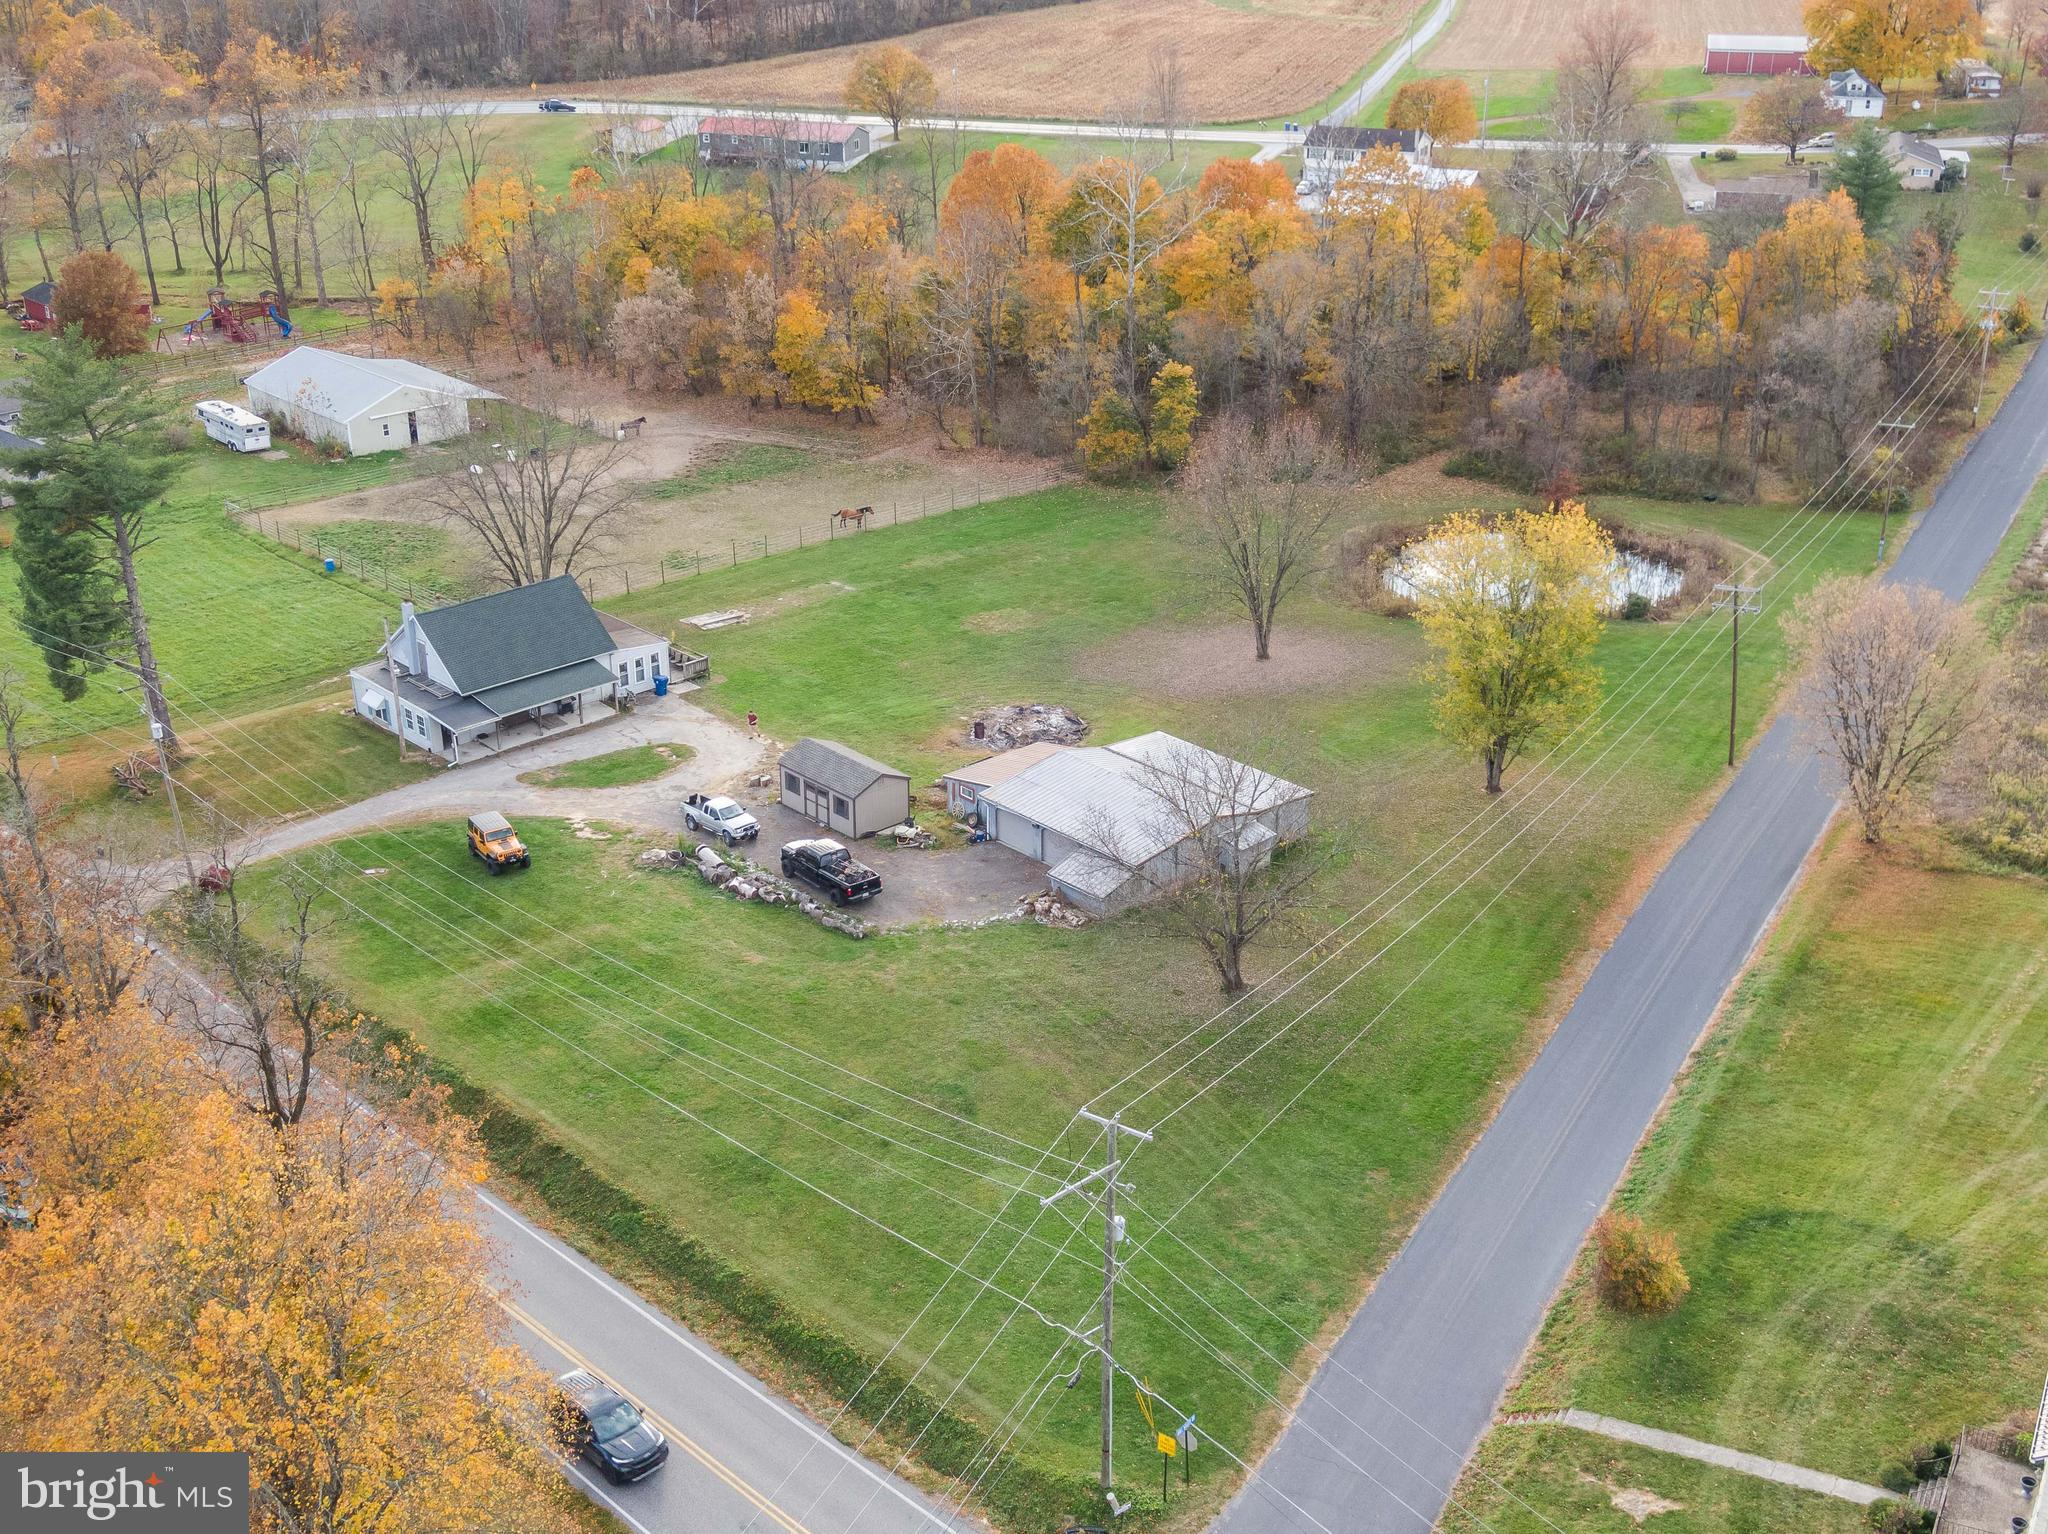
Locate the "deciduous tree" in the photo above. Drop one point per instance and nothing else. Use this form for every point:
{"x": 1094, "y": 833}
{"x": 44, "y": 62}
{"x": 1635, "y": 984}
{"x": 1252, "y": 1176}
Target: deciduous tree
{"x": 1893, "y": 678}
{"x": 1791, "y": 110}
{"x": 1512, "y": 610}
{"x": 891, "y": 81}
{"x": 1442, "y": 108}
{"x": 1889, "y": 40}
{"x": 1638, "y": 1270}
{"x": 99, "y": 294}
{"x": 545, "y": 501}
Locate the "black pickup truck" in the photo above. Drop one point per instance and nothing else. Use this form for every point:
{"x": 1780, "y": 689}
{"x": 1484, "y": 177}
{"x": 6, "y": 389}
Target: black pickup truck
{"x": 831, "y": 868}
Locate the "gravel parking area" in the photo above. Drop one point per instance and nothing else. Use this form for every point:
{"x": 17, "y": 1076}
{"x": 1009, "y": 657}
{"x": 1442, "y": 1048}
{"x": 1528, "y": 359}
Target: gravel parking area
{"x": 961, "y": 884}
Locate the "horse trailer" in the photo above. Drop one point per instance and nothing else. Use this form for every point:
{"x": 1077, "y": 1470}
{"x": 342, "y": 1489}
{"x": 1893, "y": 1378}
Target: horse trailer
{"x": 243, "y": 430}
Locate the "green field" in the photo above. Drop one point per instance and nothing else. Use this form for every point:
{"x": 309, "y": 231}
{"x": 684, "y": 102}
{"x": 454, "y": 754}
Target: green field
{"x": 1852, "y": 1168}
{"x": 1538, "y": 1480}
{"x": 1092, "y": 599}
{"x": 631, "y": 764}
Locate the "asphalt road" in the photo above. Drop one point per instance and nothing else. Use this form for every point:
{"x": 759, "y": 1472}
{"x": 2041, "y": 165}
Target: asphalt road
{"x": 1416, "y": 1377}
{"x": 740, "y": 1456}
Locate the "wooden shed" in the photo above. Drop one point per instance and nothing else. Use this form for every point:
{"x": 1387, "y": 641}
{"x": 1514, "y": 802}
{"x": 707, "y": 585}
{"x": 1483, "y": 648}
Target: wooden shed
{"x": 834, "y": 785}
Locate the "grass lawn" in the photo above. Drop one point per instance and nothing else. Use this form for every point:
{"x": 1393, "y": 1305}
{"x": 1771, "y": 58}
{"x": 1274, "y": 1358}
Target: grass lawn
{"x": 1093, "y": 599}
{"x": 1853, "y": 1170}
{"x": 631, "y": 764}
{"x": 733, "y": 463}
{"x": 1559, "y": 1478}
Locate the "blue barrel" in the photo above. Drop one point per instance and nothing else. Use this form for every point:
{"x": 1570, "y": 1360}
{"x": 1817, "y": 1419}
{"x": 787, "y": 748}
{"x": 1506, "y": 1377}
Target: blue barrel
{"x": 660, "y": 685}
{"x": 327, "y": 565}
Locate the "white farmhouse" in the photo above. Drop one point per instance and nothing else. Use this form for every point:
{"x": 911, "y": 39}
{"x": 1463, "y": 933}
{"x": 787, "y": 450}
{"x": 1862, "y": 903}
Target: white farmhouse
{"x": 469, "y": 680}
{"x": 1849, "y": 93}
{"x": 1116, "y": 825}
{"x": 370, "y": 404}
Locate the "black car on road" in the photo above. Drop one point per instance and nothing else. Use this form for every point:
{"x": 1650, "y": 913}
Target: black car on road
{"x": 593, "y": 1421}
{"x": 820, "y": 861}
{"x": 557, "y": 104}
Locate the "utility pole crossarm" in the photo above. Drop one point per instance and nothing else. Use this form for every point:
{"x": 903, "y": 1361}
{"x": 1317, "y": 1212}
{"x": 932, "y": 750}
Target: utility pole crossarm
{"x": 1735, "y": 599}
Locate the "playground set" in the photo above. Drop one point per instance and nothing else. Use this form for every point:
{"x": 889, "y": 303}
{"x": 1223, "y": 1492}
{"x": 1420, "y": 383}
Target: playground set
{"x": 234, "y": 323}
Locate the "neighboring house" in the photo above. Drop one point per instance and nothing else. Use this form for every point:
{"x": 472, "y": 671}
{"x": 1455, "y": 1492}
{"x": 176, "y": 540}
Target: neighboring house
{"x": 1920, "y": 164}
{"x": 837, "y": 786}
{"x": 1853, "y": 96}
{"x": 1768, "y": 194}
{"x": 1974, "y": 77}
{"x": 368, "y": 404}
{"x": 1747, "y": 53}
{"x": 1313, "y": 195}
{"x": 964, "y": 785}
{"x": 645, "y": 135}
{"x": 10, "y": 411}
{"x": 813, "y": 143}
{"x": 1328, "y": 152}
{"x": 1111, "y": 823}
{"x": 463, "y": 681}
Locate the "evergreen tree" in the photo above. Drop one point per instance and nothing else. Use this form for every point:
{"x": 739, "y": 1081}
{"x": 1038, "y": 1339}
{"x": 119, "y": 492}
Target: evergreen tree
{"x": 1865, "y": 171}
{"x": 79, "y": 518}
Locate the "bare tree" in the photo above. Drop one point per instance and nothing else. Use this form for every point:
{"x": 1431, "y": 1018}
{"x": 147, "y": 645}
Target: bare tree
{"x": 1263, "y": 506}
{"x": 543, "y": 502}
{"x": 417, "y": 133}
{"x": 1167, "y": 91}
{"x": 265, "y": 1035}
{"x": 1203, "y": 850}
{"x": 1893, "y": 679}
{"x": 2018, "y": 117}
{"x": 472, "y": 135}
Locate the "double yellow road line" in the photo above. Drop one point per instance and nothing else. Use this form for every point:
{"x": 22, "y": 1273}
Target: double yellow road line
{"x": 669, "y": 1430}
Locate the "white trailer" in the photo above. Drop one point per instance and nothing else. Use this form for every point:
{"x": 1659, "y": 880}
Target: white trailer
{"x": 243, "y": 430}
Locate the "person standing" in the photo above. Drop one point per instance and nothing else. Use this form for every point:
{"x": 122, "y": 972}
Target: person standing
{"x": 753, "y": 724}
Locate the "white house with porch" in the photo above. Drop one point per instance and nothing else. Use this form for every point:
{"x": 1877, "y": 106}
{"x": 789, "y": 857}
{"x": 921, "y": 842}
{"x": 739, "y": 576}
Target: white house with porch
{"x": 473, "y": 679}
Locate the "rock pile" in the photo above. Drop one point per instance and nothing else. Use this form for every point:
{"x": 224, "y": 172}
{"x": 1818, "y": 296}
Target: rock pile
{"x": 744, "y": 879}
{"x": 1047, "y": 908}
{"x": 1021, "y": 724}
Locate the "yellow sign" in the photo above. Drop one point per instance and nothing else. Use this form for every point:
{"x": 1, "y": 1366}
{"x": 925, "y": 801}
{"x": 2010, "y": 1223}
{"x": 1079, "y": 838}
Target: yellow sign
{"x": 1167, "y": 1446}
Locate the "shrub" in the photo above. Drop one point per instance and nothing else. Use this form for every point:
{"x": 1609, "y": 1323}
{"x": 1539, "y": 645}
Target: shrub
{"x": 1111, "y": 446}
{"x": 99, "y": 293}
{"x": 1891, "y": 1517}
{"x": 1724, "y": 153}
{"x": 2029, "y": 240}
{"x": 1639, "y": 1271}
{"x": 1636, "y": 608}
{"x": 177, "y": 435}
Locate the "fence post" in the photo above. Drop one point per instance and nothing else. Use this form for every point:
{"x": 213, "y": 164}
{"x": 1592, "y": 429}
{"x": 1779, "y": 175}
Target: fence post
{"x": 735, "y": 551}
{"x": 629, "y": 581}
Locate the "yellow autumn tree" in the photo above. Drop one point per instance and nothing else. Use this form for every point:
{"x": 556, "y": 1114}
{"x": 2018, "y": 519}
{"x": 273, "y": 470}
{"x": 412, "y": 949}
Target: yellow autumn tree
{"x": 1174, "y": 407}
{"x": 319, "y": 1295}
{"x": 1891, "y": 40}
{"x": 1512, "y": 609}
{"x": 1442, "y": 108}
{"x": 891, "y": 81}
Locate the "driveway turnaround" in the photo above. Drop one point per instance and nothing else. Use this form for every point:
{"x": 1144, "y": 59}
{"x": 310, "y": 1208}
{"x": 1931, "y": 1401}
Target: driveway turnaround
{"x": 1384, "y": 1429}
{"x": 740, "y": 1457}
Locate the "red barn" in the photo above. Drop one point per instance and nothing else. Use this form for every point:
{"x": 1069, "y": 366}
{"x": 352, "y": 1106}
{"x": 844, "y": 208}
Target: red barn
{"x": 1744, "y": 53}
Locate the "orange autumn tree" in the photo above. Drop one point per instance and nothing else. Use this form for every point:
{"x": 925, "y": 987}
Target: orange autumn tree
{"x": 99, "y": 293}
{"x": 1442, "y": 108}
{"x": 1891, "y": 40}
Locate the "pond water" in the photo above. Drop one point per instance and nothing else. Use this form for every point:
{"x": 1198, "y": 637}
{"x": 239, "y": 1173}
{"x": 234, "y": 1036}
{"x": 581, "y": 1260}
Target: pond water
{"x": 1412, "y": 571}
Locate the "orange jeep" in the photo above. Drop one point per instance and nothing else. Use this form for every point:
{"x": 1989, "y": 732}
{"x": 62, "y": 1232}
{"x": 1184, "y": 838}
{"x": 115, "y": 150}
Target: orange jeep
{"x": 492, "y": 838}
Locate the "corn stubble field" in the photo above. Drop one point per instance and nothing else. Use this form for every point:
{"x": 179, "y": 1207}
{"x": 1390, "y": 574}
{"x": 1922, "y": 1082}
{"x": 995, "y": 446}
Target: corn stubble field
{"x": 1524, "y": 34}
{"x": 1246, "y": 60}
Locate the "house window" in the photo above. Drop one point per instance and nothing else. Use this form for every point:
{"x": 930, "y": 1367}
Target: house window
{"x": 803, "y": 146}
{"x": 387, "y": 428}
{"x": 639, "y": 668}
{"x": 622, "y": 673}
{"x": 841, "y": 808}
{"x": 792, "y": 784}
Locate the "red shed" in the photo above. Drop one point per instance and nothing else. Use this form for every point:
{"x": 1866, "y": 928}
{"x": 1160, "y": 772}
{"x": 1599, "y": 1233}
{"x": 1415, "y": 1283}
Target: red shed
{"x": 39, "y": 306}
{"x": 1745, "y": 53}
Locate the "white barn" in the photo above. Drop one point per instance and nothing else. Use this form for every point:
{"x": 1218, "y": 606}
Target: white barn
{"x": 472, "y": 679}
{"x": 1111, "y": 823}
{"x": 370, "y": 404}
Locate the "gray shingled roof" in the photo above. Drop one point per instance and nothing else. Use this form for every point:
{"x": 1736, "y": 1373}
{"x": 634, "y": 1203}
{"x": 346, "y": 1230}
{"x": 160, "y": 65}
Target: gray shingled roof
{"x": 1326, "y": 136}
{"x": 839, "y": 768}
{"x": 544, "y": 687}
{"x": 509, "y": 635}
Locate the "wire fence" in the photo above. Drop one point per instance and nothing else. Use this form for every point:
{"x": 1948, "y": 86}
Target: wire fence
{"x": 622, "y": 578}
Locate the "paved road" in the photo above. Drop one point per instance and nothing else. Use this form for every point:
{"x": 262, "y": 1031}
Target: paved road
{"x": 1416, "y": 1377}
{"x": 741, "y": 1456}
{"x": 1380, "y": 78}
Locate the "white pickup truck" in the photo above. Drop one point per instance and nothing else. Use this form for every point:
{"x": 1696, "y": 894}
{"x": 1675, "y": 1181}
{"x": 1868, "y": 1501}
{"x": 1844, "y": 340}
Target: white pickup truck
{"x": 720, "y": 816}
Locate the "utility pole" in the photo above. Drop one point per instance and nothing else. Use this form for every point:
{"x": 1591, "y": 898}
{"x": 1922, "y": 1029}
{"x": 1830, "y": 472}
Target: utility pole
{"x": 1735, "y": 599}
{"x": 1884, "y": 520}
{"x": 1991, "y": 303}
{"x": 1112, "y": 1233}
{"x": 163, "y": 767}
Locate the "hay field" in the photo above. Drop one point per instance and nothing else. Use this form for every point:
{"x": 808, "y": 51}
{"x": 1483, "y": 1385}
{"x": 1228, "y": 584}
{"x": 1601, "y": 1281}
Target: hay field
{"x": 1524, "y": 34}
{"x": 1265, "y": 58}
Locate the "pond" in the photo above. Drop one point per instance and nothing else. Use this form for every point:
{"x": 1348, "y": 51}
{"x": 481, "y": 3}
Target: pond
{"x": 1412, "y": 570}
